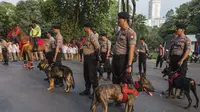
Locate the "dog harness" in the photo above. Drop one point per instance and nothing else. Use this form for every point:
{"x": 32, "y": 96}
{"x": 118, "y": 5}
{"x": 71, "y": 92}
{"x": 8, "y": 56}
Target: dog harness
{"x": 171, "y": 79}
{"x": 126, "y": 91}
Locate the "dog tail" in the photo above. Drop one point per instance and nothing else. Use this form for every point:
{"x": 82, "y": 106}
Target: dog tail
{"x": 72, "y": 79}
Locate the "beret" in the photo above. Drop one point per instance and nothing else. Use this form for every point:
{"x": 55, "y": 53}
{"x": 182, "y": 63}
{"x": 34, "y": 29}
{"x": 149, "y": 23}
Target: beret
{"x": 180, "y": 26}
{"x": 56, "y": 27}
{"x": 123, "y": 15}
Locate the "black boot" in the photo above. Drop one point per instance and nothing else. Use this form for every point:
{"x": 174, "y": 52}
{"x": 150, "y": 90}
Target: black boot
{"x": 85, "y": 92}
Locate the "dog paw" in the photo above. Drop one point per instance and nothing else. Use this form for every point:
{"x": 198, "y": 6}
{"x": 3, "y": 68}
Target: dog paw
{"x": 48, "y": 89}
{"x": 196, "y": 106}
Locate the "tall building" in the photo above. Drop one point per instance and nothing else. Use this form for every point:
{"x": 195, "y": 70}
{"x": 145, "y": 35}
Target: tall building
{"x": 154, "y": 9}
{"x": 154, "y": 14}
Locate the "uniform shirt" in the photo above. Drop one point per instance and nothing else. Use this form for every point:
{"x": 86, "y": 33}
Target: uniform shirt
{"x": 52, "y": 40}
{"x": 35, "y": 30}
{"x": 123, "y": 40}
{"x": 32, "y": 33}
{"x": 4, "y": 44}
{"x": 59, "y": 42}
{"x": 91, "y": 44}
{"x": 143, "y": 48}
{"x": 105, "y": 45}
{"x": 178, "y": 45}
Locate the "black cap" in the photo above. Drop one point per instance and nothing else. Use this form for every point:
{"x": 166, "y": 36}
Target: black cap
{"x": 34, "y": 21}
{"x": 88, "y": 24}
{"x": 56, "y": 27}
{"x": 104, "y": 34}
{"x": 123, "y": 15}
{"x": 180, "y": 26}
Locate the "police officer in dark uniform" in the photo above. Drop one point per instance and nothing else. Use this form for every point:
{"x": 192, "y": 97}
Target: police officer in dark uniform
{"x": 179, "y": 50}
{"x": 123, "y": 51}
{"x": 4, "y": 51}
{"x": 58, "y": 51}
{"x": 105, "y": 53}
{"x": 90, "y": 60}
{"x": 143, "y": 52}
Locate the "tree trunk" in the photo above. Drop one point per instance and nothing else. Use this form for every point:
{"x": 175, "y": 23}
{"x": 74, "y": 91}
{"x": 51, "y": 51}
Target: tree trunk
{"x": 134, "y": 10}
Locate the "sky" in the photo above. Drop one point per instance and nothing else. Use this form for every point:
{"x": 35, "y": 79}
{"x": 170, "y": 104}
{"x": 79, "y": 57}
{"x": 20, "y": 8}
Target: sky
{"x": 142, "y": 5}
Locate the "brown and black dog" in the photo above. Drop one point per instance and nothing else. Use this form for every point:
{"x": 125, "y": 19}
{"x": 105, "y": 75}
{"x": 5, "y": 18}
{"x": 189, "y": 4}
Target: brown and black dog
{"x": 184, "y": 84}
{"x": 53, "y": 72}
{"x": 106, "y": 92}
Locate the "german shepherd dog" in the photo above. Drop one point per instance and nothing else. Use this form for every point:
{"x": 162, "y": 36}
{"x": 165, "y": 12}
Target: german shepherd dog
{"x": 184, "y": 84}
{"x": 53, "y": 72}
{"x": 104, "y": 93}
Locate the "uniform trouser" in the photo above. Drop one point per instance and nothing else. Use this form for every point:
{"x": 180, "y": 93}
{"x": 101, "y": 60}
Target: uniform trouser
{"x": 142, "y": 62}
{"x": 159, "y": 60}
{"x": 174, "y": 65}
{"x": 59, "y": 59}
{"x": 5, "y": 55}
{"x": 105, "y": 61}
{"x": 50, "y": 56}
{"x": 119, "y": 64}
{"x": 90, "y": 71}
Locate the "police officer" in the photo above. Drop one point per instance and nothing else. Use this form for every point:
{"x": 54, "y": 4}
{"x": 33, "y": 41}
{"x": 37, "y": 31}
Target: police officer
{"x": 57, "y": 58}
{"x": 4, "y": 51}
{"x": 143, "y": 52}
{"x": 179, "y": 50}
{"x": 123, "y": 51}
{"x": 105, "y": 52}
{"x": 90, "y": 60}
{"x": 58, "y": 48}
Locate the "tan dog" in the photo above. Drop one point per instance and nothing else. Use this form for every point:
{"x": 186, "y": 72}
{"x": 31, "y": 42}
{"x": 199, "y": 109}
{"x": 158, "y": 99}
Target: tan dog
{"x": 53, "y": 72}
{"x": 106, "y": 92}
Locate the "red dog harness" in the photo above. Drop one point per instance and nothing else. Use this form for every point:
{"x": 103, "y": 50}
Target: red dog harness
{"x": 171, "y": 80}
{"x": 126, "y": 91}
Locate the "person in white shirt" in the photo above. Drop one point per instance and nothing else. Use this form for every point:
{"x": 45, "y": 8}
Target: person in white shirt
{"x": 75, "y": 51}
{"x": 64, "y": 50}
{"x": 68, "y": 51}
{"x": 71, "y": 53}
{"x": 10, "y": 51}
{"x": 14, "y": 52}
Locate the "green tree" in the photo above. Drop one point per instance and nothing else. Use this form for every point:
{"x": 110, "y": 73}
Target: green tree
{"x": 7, "y": 17}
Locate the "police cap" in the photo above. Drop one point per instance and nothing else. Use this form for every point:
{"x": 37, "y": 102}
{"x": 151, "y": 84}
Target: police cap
{"x": 104, "y": 34}
{"x": 57, "y": 27}
{"x": 180, "y": 26}
{"x": 34, "y": 21}
{"x": 123, "y": 15}
{"x": 88, "y": 24}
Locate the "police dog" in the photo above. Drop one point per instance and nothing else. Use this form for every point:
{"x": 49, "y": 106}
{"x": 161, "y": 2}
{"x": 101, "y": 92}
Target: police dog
{"x": 184, "y": 84}
{"x": 104, "y": 93}
{"x": 104, "y": 67}
{"x": 54, "y": 72}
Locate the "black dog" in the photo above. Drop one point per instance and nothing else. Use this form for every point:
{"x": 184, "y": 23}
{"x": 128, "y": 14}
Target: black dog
{"x": 104, "y": 67}
{"x": 183, "y": 83}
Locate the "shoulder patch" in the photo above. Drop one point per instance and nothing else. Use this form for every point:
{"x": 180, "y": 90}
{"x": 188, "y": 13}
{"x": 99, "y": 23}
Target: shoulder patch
{"x": 132, "y": 34}
{"x": 92, "y": 39}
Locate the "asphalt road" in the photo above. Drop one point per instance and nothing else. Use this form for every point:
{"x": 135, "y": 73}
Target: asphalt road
{"x": 25, "y": 91}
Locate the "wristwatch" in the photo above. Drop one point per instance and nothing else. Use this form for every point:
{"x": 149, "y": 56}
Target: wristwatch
{"x": 129, "y": 66}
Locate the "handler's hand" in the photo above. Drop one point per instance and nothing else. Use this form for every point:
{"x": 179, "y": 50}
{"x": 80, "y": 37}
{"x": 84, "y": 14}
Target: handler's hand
{"x": 129, "y": 69}
{"x": 54, "y": 59}
{"x": 180, "y": 63}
